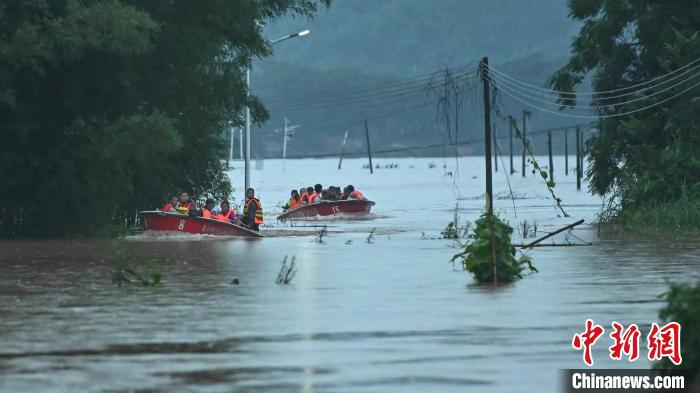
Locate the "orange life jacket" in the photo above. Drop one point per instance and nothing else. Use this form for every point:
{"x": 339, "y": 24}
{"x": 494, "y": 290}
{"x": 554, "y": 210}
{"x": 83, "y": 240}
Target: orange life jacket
{"x": 305, "y": 198}
{"x": 206, "y": 213}
{"x": 355, "y": 195}
{"x": 312, "y": 197}
{"x": 293, "y": 203}
{"x": 225, "y": 217}
{"x": 258, "y": 210}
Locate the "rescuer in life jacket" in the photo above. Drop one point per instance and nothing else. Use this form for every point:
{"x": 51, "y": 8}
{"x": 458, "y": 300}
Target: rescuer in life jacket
{"x": 206, "y": 211}
{"x": 315, "y": 196}
{"x": 252, "y": 211}
{"x": 226, "y": 214}
{"x": 294, "y": 201}
{"x": 186, "y": 204}
{"x": 352, "y": 193}
{"x": 171, "y": 206}
{"x": 309, "y": 193}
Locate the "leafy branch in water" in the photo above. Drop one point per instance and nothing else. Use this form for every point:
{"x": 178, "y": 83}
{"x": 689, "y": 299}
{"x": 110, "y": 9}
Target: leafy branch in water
{"x": 490, "y": 244}
{"x": 287, "y": 273}
{"x": 370, "y": 237}
{"x": 527, "y": 229}
{"x": 455, "y": 231}
{"x": 320, "y": 234}
{"x": 126, "y": 272}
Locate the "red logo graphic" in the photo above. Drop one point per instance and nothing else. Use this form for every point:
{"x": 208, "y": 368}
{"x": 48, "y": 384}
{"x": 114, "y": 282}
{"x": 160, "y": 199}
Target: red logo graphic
{"x": 626, "y": 342}
{"x": 586, "y": 340}
{"x": 665, "y": 342}
{"x": 662, "y": 342}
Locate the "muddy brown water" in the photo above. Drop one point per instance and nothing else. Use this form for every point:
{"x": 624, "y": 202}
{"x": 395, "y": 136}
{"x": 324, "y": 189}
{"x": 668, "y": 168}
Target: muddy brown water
{"x": 389, "y": 315}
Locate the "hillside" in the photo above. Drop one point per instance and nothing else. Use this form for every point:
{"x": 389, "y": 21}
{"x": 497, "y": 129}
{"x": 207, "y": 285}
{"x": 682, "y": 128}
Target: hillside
{"x": 332, "y": 79}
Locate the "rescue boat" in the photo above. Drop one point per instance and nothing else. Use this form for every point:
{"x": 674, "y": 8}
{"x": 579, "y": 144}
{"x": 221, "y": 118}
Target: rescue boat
{"x": 173, "y": 222}
{"x": 353, "y": 207}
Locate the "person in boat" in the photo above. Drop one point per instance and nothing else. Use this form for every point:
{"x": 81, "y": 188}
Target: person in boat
{"x": 331, "y": 194}
{"x": 252, "y": 211}
{"x": 309, "y": 192}
{"x": 354, "y": 194}
{"x": 226, "y": 214}
{"x": 315, "y": 196}
{"x": 303, "y": 196}
{"x": 294, "y": 201}
{"x": 186, "y": 204}
{"x": 206, "y": 211}
{"x": 171, "y": 206}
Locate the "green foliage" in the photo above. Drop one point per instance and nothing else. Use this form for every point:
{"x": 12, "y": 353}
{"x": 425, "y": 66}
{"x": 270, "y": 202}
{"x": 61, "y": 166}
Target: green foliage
{"x": 491, "y": 234}
{"x": 108, "y": 106}
{"x": 649, "y": 155}
{"x": 151, "y": 274}
{"x": 683, "y": 306}
{"x": 678, "y": 218}
{"x": 127, "y": 272}
{"x": 454, "y": 230}
{"x": 528, "y": 229}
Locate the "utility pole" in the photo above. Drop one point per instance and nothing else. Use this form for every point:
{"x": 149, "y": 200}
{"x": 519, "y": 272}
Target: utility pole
{"x": 369, "y": 148}
{"x": 578, "y": 158}
{"x": 240, "y": 143}
{"x": 284, "y": 146}
{"x": 510, "y": 132}
{"x": 526, "y": 115}
{"x": 230, "y": 152}
{"x": 566, "y": 151}
{"x": 551, "y": 161}
{"x": 487, "y": 150}
{"x": 487, "y": 133}
{"x": 342, "y": 150}
{"x": 495, "y": 148}
{"x": 247, "y": 136}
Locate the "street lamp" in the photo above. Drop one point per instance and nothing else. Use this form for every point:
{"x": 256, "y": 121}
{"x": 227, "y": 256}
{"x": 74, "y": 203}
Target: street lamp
{"x": 247, "y": 111}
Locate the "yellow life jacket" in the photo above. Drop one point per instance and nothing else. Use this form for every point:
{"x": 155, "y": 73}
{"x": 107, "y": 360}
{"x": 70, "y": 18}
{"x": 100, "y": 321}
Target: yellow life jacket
{"x": 258, "y": 211}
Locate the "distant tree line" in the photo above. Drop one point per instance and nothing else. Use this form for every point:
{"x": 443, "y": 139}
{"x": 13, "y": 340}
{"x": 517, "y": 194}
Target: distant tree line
{"x": 107, "y": 106}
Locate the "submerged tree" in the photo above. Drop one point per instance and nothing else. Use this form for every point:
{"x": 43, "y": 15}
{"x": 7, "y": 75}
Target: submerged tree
{"x": 652, "y": 151}
{"x": 106, "y": 106}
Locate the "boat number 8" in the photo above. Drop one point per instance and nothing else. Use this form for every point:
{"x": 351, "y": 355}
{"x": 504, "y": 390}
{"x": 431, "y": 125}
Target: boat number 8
{"x": 336, "y": 210}
{"x": 181, "y": 226}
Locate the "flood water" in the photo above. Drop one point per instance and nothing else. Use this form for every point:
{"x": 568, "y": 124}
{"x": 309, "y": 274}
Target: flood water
{"x": 392, "y": 315}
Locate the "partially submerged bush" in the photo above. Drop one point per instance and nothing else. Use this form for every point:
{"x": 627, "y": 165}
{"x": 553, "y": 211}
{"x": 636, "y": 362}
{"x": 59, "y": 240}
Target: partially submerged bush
{"x": 149, "y": 275}
{"x": 683, "y": 306}
{"x": 491, "y": 233}
{"x": 126, "y": 272}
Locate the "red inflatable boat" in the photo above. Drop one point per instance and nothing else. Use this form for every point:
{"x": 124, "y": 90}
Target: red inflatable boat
{"x": 328, "y": 208}
{"x": 173, "y": 222}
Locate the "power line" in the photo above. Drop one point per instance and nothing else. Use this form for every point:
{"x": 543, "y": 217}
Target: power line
{"x": 501, "y": 73}
{"x": 510, "y": 83}
{"x": 364, "y": 99}
{"x": 431, "y": 146}
{"x": 608, "y": 106}
{"x": 600, "y": 116}
{"x": 324, "y": 94}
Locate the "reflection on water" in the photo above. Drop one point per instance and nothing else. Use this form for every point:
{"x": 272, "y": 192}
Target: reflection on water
{"x": 392, "y": 315}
